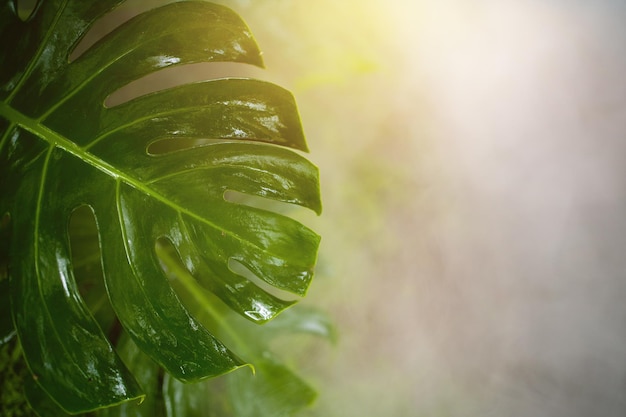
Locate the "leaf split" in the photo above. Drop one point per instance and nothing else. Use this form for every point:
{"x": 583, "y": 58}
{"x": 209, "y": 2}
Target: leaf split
{"x": 61, "y": 148}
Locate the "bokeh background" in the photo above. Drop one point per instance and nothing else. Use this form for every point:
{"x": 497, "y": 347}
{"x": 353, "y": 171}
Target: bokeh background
{"x": 473, "y": 158}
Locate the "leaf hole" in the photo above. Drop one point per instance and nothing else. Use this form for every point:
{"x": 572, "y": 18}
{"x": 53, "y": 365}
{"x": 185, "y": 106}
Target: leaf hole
{"x": 240, "y": 269}
{"x": 177, "y": 273}
{"x": 87, "y": 266}
{"x": 103, "y": 26}
{"x": 169, "y": 74}
{"x": 174, "y": 269}
{"x": 176, "y": 75}
{"x": 299, "y": 213}
{"x": 165, "y": 146}
{"x": 26, "y": 8}
{"x": 169, "y": 259}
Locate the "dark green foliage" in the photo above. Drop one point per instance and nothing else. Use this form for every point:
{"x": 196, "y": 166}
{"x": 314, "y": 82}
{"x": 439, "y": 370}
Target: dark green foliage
{"x": 63, "y": 152}
{"x": 13, "y": 375}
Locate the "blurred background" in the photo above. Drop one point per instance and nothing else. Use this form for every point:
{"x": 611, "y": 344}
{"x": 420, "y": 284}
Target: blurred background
{"x": 473, "y": 159}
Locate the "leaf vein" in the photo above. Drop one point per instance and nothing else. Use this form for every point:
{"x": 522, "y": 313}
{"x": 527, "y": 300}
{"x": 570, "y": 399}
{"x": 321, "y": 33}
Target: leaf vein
{"x": 44, "y": 175}
{"x": 67, "y": 145}
{"x": 34, "y": 60}
{"x": 137, "y": 121}
{"x": 101, "y": 68}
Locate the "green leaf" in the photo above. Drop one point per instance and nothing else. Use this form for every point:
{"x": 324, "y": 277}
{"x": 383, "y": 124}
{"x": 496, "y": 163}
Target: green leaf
{"x": 194, "y": 400}
{"x": 274, "y": 391}
{"x": 303, "y": 319}
{"x": 7, "y": 330}
{"x": 148, "y": 374}
{"x": 62, "y": 148}
{"x": 41, "y": 402}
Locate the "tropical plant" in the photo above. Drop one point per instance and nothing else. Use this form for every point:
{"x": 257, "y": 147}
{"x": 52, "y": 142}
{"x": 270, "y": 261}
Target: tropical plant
{"x": 134, "y": 305}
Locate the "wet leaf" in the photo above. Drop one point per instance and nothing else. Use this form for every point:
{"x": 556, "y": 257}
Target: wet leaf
{"x": 62, "y": 148}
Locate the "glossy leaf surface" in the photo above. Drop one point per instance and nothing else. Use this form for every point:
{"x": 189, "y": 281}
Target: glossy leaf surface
{"x": 61, "y": 148}
{"x": 274, "y": 390}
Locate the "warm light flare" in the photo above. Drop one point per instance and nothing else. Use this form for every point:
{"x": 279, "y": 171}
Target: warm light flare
{"x": 471, "y": 157}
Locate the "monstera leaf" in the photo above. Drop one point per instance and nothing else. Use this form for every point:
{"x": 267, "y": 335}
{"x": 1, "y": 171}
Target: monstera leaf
{"x": 62, "y": 148}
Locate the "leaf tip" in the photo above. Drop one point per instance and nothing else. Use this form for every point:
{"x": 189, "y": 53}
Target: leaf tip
{"x": 251, "y": 367}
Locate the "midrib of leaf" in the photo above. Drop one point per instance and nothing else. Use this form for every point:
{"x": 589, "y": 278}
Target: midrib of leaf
{"x": 57, "y": 140}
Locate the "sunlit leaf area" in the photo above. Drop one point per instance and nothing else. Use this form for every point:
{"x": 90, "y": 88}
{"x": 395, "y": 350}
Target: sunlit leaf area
{"x": 472, "y": 156}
